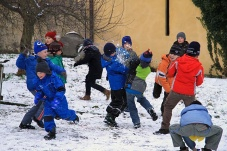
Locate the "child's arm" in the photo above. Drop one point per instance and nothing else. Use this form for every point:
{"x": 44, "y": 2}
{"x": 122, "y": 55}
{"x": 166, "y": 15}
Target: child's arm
{"x": 59, "y": 70}
{"x": 200, "y": 77}
{"x": 172, "y": 69}
{"x": 20, "y": 63}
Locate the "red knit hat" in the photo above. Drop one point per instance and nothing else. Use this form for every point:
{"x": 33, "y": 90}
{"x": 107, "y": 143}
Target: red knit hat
{"x": 51, "y": 34}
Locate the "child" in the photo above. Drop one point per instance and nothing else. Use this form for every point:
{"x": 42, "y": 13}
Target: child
{"x": 92, "y": 57}
{"x": 161, "y": 78}
{"x": 195, "y": 123}
{"x": 136, "y": 86}
{"x": 116, "y": 73}
{"x": 51, "y": 89}
{"x": 55, "y": 49}
{"x": 181, "y": 42}
{"x": 50, "y": 37}
{"x": 188, "y": 73}
{"x": 28, "y": 64}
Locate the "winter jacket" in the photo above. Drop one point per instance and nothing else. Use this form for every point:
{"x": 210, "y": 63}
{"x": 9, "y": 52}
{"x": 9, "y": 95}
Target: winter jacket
{"x": 194, "y": 114}
{"x": 29, "y": 63}
{"x": 126, "y": 56}
{"x": 57, "y": 60}
{"x": 139, "y": 84}
{"x": 183, "y": 46}
{"x": 161, "y": 77}
{"x": 92, "y": 58}
{"x": 188, "y": 73}
{"x": 116, "y": 72}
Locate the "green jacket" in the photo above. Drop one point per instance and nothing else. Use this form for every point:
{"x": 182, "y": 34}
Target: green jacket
{"x": 57, "y": 60}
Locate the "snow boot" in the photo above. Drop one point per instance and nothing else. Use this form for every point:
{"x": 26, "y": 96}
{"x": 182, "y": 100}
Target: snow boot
{"x": 86, "y": 97}
{"x": 39, "y": 122}
{"x": 110, "y": 120}
{"x": 51, "y": 135}
{"x": 76, "y": 121}
{"x": 107, "y": 94}
{"x": 26, "y": 126}
{"x": 161, "y": 131}
{"x": 152, "y": 114}
{"x": 137, "y": 126}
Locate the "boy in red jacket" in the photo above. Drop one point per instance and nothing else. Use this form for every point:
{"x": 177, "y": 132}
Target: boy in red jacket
{"x": 188, "y": 73}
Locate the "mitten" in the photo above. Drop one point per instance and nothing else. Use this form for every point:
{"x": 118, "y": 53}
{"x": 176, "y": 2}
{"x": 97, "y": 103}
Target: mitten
{"x": 55, "y": 103}
{"x": 129, "y": 80}
{"x": 106, "y": 58}
{"x": 25, "y": 52}
{"x": 64, "y": 75}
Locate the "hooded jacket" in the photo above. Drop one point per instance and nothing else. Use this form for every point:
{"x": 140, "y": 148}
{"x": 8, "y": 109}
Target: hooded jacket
{"x": 188, "y": 73}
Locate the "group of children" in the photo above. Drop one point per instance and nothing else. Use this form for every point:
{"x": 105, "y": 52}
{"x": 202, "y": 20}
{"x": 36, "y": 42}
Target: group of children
{"x": 178, "y": 73}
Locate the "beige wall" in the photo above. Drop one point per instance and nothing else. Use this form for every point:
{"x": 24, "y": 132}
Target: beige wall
{"x": 145, "y": 21}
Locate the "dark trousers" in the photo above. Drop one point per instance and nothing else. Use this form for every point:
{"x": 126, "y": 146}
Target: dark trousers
{"x": 118, "y": 102}
{"x": 91, "y": 83}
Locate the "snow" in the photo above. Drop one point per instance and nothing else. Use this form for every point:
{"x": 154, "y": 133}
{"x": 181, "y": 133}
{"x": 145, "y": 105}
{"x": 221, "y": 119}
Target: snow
{"x": 92, "y": 133}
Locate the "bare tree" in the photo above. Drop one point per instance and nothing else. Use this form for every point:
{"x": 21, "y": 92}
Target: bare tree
{"x": 88, "y": 17}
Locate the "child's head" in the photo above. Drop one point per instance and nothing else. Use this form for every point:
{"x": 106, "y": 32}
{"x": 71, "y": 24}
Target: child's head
{"x": 175, "y": 52}
{"x": 193, "y": 49}
{"x": 127, "y": 42}
{"x": 145, "y": 58}
{"x": 40, "y": 49}
{"x": 42, "y": 68}
{"x": 55, "y": 48}
{"x": 87, "y": 42}
{"x": 109, "y": 49}
{"x": 181, "y": 37}
{"x": 50, "y": 37}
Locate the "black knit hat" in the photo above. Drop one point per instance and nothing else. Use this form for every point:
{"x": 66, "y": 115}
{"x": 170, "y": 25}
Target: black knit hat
{"x": 196, "y": 102}
{"x": 176, "y": 50}
{"x": 193, "y": 49}
{"x": 109, "y": 49}
{"x": 87, "y": 42}
{"x": 42, "y": 66}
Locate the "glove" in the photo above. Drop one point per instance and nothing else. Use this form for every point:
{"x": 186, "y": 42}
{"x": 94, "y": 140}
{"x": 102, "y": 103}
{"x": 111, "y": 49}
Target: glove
{"x": 106, "y": 58}
{"x": 25, "y": 52}
{"x": 54, "y": 104}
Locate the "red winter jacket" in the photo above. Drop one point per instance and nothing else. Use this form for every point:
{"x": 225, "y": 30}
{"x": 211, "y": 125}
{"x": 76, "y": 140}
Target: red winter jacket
{"x": 188, "y": 73}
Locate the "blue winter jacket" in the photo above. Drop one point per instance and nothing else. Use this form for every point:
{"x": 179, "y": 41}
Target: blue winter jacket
{"x": 195, "y": 113}
{"x": 29, "y": 64}
{"x": 116, "y": 72}
{"x": 51, "y": 86}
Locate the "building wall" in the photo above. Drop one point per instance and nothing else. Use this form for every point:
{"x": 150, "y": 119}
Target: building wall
{"x": 145, "y": 22}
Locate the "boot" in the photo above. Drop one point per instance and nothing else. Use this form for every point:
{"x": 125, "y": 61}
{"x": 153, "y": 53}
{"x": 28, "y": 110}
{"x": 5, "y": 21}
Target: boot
{"x": 86, "y": 97}
{"x": 26, "y": 126}
{"x": 51, "y": 135}
{"x": 152, "y": 114}
{"x": 107, "y": 94}
{"x": 77, "y": 120}
{"x": 39, "y": 122}
{"x": 183, "y": 148}
{"x": 110, "y": 120}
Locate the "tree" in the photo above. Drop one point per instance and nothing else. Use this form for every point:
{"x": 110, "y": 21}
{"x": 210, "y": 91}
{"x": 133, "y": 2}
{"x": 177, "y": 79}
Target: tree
{"x": 80, "y": 15}
{"x": 214, "y": 14}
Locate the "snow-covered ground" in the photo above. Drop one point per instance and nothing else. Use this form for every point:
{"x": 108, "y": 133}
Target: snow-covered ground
{"x": 91, "y": 133}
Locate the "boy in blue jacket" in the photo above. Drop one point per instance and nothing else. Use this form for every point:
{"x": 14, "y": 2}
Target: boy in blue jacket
{"x": 51, "y": 90}
{"x": 195, "y": 123}
{"x": 28, "y": 63}
{"x": 116, "y": 73}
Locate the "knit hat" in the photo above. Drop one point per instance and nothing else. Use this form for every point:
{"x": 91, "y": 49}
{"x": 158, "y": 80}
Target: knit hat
{"x": 181, "y": 34}
{"x": 87, "y": 42}
{"x": 109, "y": 49}
{"x": 126, "y": 39}
{"x": 42, "y": 66}
{"x": 196, "y": 102}
{"x": 39, "y": 46}
{"x": 54, "y": 47}
{"x": 193, "y": 49}
{"x": 51, "y": 34}
{"x": 176, "y": 50}
{"x": 146, "y": 56}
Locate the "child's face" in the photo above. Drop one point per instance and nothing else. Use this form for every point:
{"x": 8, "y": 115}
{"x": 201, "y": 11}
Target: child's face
{"x": 49, "y": 40}
{"x": 173, "y": 57}
{"x": 41, "y": 75}
{"x": 127, "y": 46}
{"x": 43, "y": 54}
{"x": 180, "y": 40}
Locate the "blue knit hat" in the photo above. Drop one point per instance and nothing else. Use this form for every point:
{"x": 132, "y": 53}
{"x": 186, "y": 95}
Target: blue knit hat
{"x": 193, "y": 49}
{"x": 109, "y": 49}
{"x": 146, "y": 56}
{"x": 126, "y": 39}
{"x": 39, "y": 46}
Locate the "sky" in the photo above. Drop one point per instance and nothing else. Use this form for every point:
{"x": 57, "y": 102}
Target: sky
{"x": 92, "y": 134}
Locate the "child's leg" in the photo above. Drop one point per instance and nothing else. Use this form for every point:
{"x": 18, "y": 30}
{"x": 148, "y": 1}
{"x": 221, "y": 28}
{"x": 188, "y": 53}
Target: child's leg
{"x": 132, "y": 108}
